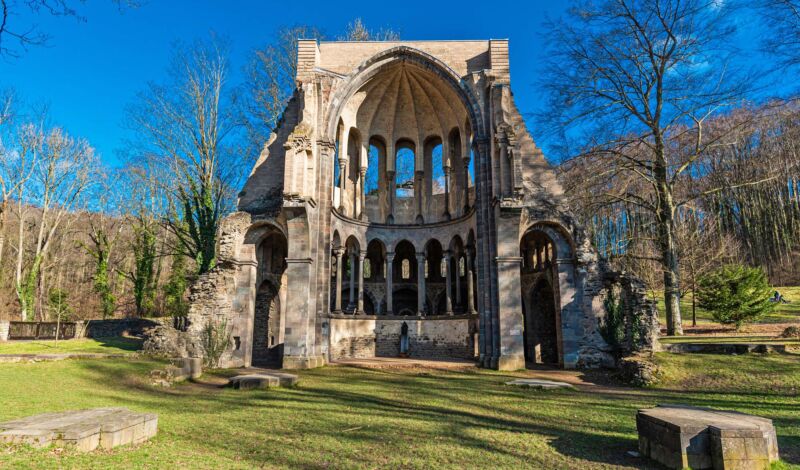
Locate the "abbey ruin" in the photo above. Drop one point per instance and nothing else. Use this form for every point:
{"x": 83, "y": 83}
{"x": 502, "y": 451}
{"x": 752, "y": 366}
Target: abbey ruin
{"x": 402, "y": 208}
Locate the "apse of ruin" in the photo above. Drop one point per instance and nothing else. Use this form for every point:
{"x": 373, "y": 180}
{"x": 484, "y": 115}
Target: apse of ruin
{"x": 401, "y": 208}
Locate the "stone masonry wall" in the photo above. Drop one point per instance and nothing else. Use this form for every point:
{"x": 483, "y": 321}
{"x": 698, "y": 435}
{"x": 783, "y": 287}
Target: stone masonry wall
{"x": 4, "y": 326}
{"x": 428, "y": 338}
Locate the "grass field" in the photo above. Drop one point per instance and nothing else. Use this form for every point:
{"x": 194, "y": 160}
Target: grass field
{"x": 783, "y": 313}
{"x": 99, "y": 345}
{"x": 342, "y": 417}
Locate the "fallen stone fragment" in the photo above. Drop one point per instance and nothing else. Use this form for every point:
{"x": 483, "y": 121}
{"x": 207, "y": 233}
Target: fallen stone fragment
{"x": 540, "y": 383}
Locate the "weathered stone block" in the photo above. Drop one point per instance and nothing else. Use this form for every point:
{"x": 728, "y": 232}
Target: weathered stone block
{"x": 683, "y": 436}
{"x": 262, "y": 380}
{"x": 86, "y": 430}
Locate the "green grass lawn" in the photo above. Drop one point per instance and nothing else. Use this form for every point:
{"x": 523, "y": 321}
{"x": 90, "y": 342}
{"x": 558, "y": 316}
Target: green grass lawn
{"x": 95, "y": 345}
{"x": 342, "y": 417}
{"x": 783, "y": 313}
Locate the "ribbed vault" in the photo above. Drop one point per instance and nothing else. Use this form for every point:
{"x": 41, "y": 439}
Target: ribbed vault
{"x": 405, "y": 101}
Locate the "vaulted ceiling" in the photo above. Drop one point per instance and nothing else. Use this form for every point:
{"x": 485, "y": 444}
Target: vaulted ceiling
{"x": 405, "y": 101}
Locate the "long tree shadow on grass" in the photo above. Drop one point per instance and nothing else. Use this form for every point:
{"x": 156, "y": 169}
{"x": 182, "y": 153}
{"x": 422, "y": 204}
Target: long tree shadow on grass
{"x": 418, "y": 401}
{"x": 458, "y": 403}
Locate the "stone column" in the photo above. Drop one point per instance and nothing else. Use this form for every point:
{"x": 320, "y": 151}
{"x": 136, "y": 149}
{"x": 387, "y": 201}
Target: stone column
{"x": 363, "y": 193}
{"x": 360, "y": 307}
{"x": 466, "y": 184}
{"x": 392, "y": 187}
{"x": 352, "y": 303}
{"x": 420, "y": 284}
{"x": 458, "y": 280}
{"x": 447, "y": 191}
{"x": 448, "y": 280}
{"x": 339, "y": 261}
{"x": 342, "y": 166}
{"x": 419, "y": 192}
{"x": 501, "y": 164}
{"x": 389, "y": 268}
{"x": 470, "y": 286}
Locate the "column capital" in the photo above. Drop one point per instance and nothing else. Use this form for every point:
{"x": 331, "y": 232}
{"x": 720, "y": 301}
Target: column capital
{"x": 339, "y": 252}
{"x": 390, "y": 255}
{"x": 420, "y": 257}
{"x": 362, "y": 254}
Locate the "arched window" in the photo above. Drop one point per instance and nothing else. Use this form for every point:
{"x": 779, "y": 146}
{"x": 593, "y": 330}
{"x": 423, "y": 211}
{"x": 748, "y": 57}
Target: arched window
{"x": 443, "y": 268}
{"x": 437, "y": 175}
{"x": 336, "y": 172}
{"x": 404, "y": 176}
{"x": 471, "y": 168}
{"x": 426, "y": 269}
{"x": 406, "y": 269}
{"x": 371, "y": 181}
{"x": 367, "y": 268}
{"x": 461, "y": 267}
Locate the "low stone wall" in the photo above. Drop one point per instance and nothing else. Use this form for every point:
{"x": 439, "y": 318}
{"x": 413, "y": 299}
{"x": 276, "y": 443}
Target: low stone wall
{"x": 118, "y": 327}
{"x": 375, "y": 336}
{"x": 723, "y": 348}
{"x": 4, "y": 327}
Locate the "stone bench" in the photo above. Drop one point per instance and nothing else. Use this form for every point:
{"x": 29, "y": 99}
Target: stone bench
{"x": 86, "y": 430}
{"x": 680, "y": 436}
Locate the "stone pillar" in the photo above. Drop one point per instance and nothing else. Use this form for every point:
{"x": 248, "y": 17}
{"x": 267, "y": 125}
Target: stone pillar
{"x": 419, "y": 192}
{"x": 509, "y": 317}
{"x": 360, "y": 307}
{"x": 447, "y": 191}
{"x": 389, "y": 268}
{"x": 448, "y": 280}
{"x": 342, "y": 166}
{"x": 470, "y": 286}
{"x": 420, "y": 284}
{"x": 339, "y": 261}
{"x": 568, "y": 336}
{"x": 392, "y": 187}
{"x": 466, "y": 184}
{"x": 352, "y": 303}
{"x": 501, "y": 164}
{"x": 458, "y": 281}
{"x": 363, "y": 193}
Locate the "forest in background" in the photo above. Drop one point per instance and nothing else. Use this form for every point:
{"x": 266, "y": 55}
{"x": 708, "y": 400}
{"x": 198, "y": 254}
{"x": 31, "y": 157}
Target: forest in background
{"x": 673, "y": 158}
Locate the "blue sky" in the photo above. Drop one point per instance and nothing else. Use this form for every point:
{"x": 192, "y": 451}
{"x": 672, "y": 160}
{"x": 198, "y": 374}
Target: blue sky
{"x": 92, "y": 69}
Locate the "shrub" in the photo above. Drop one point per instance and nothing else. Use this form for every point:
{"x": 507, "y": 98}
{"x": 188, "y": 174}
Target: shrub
{"x": 791, "y": 332}
{"x": 612, "y": 325}
{"x": 216, "y": 339}
{"x": 58, "y": 305}
{"x": 735, "y": 294}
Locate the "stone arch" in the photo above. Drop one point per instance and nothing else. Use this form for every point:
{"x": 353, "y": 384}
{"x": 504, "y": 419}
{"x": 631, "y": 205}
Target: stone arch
{"x": 271, "y": 251}
{"x": 549, "y": 294}
{"x": 267, "y": 326}
{"x": 377, "y": 63}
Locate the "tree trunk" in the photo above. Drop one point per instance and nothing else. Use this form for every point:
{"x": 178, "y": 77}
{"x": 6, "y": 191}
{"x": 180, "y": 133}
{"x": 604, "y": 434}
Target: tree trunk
{"x": 669, "y": 252}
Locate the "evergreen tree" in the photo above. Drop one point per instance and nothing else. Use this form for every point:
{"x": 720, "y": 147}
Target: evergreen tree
{"x": 735, "y": 294}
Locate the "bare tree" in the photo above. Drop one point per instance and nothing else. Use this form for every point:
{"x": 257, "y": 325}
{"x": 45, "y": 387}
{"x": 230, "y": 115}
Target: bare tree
{"x": 62, "y": 168}
{"x": 270, "y": 75}
{"x": 634, "y": 82}
{"x": 188, "y": 128}
{"x": 783, "y": 29}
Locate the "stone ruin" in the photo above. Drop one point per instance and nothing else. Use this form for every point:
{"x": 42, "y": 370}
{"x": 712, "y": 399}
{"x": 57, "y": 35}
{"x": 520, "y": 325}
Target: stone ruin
{"x": 402, "y": 198}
